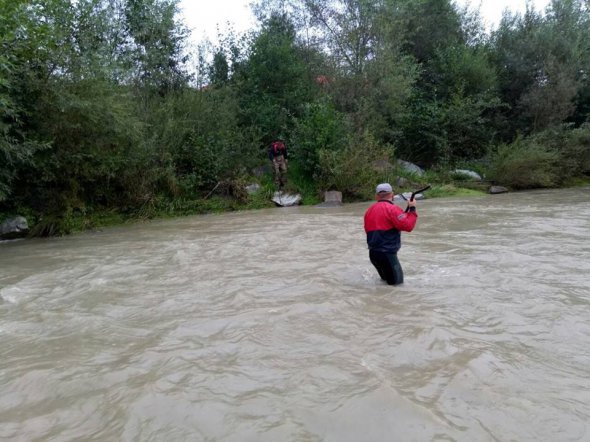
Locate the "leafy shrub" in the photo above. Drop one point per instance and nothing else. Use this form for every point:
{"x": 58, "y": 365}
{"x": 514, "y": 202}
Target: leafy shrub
{"x": 525, "y": 164}
{"x": 352, "y": 170}
{"x": 578, "y": 149}
{"x": 573, "y": 146}
{"x": 320, "y": 128}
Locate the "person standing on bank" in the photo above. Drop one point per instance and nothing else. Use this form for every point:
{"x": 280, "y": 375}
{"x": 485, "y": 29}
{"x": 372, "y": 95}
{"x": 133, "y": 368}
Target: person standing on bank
{"x": 384, "y": 222}
{"x": 277, "y": 153}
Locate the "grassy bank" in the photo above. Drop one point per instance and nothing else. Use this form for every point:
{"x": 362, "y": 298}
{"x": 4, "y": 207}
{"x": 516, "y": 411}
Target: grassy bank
{"x": 91, "y": 219}
{"x": 226, "y": 200}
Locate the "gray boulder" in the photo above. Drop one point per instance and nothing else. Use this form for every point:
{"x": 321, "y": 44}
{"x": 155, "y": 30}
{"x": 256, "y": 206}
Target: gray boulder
{"x": 468, "y": 174}
{"x": 497, "y": 189}
{"x": 408, "y": 195}
{"x": 16, "y": 227}
{"x": 410, "y": 167}
{"x": 284, "y": 199}
{"x": 332, "y": 198}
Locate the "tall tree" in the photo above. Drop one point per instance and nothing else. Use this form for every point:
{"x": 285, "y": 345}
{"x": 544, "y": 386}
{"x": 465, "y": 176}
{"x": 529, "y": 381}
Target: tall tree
{"x": 20, "y": 35}
{"x": 542, "y": 62}
{"x": 456, "y": 94}
{"x": 157, "y": 43}
{"x": 350, "y": 27}
{"x": 273, "y": 82}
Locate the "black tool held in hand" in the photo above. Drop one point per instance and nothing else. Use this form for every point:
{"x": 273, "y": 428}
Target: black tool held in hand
{"x": 424, "y": 189}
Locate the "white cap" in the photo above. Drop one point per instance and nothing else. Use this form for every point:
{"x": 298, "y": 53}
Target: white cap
{"x": 384, "y": 188}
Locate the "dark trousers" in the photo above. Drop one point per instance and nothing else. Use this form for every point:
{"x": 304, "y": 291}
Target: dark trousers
{"x": 388, "y": 266}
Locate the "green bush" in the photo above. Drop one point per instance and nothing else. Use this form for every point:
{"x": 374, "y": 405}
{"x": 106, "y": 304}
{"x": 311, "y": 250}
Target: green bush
{"x": 320, "y": 128}
{"x": 352, "y": 170}
{"x": 525, "y": 164}
{"x": 574, "y": 148}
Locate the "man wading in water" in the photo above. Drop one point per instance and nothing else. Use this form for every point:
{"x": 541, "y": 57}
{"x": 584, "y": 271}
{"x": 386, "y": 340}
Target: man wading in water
{"x": 384, "y": 222}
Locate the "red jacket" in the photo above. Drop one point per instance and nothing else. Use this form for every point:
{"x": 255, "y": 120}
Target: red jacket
{"x": 277, "y": 149}
{"x": 383, "y": 223}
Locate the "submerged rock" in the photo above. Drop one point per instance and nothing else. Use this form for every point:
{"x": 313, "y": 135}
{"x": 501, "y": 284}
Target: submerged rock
{"x": 284, "y": 199}
{"x": 497, "y": 189}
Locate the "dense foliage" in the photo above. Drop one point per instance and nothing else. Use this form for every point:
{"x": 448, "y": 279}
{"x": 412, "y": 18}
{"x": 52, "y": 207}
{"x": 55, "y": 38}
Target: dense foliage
{"x": 99, "y": 110}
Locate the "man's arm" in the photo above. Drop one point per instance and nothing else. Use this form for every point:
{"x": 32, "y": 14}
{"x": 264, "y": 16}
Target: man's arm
{"x": 404, "y": 221}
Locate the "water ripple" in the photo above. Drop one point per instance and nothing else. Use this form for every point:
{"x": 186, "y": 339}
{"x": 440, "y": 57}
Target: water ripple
{"x": 273, "y": 325}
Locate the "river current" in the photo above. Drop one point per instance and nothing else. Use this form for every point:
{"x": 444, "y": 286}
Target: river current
{"x": 272, "y": 325}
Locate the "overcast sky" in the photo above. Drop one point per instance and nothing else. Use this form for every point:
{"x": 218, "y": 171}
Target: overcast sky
{"x": 203, "y": 16}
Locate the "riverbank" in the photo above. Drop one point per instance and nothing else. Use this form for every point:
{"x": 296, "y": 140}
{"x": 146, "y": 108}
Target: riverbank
{"x": 87, "y": 219}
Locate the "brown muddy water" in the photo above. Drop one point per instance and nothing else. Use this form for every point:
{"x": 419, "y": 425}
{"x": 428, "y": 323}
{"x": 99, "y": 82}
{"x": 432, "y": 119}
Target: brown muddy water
{"x": 272, "y": 325}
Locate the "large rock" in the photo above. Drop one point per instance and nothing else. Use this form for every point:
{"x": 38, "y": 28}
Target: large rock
{"x": 285, "y": 199}
{"x": 332, "y": 198}
{"x": 468, "y": 174}
{"x": 497, "y": 189}
{"x": 407, "y": 196}
{"x": 16, "y": 227}
{"x": 410, "y": 167}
